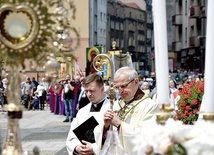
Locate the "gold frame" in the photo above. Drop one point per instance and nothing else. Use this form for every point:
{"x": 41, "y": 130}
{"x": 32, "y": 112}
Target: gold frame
{"x": 21, "y": 42}
{"x": 68, "y": 60}
{"x": 35, "y": 43}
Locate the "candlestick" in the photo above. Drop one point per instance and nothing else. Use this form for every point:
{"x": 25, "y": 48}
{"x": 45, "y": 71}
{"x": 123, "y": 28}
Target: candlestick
{"x": 209, "y": 70}
{"x": 161, "y": 55}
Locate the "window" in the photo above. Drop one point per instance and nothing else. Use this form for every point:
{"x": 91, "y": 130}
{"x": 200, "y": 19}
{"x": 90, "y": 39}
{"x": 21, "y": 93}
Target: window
{"x": 101, "y": 32}
{"x": 122, "y": 43}
{"x": 118, "y": 42}
{"x": 112, "y": 24}
{"x": 131, "y": 41}
{"x": 117, "y": 26}
{"x": 149, "y": 33}
{"x": 112, "y": 39}
{"x": 192, "y": 31}
{"x": 121, "y": 26}
{"x": 104, "y": 33}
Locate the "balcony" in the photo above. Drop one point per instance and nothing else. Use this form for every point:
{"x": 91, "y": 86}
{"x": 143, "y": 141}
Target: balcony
{"x": 194, "y": 12}
{"x": 193, "y": 42}
{"x": 149, "y": 25}
{"x": 176, "y": 46}
{"x": 148, "y": 41}
{"x": 202, "y": 41}
{"x": 177, "y": 19}
{"x": 140, "y": 42}
{"x": 202, "y": 12}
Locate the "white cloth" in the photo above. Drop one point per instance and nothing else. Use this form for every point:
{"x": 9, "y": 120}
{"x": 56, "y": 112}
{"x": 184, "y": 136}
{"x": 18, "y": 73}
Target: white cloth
{"x": 133, "y": 122}
{"x": 40, "y": 89}
{"x": 82, "y": 115}
{"x": 81, "y": 95}
{"x": 5, "y": 82}
{"x": 66, "y": 86}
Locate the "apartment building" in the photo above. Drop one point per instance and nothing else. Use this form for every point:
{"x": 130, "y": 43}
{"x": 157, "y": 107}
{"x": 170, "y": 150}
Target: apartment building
{"x": 189, "y": 21}
{"x": 127, "y": 26}
{"x": 98, "y": 23}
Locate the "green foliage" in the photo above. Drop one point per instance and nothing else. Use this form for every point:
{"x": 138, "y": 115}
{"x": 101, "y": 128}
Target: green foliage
{"x": 190, "y": 102}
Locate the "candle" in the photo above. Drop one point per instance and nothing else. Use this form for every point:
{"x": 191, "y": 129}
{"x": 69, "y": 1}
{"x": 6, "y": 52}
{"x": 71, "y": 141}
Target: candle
{"x": 161, "y": 51}
{"x": 209, "y": 69}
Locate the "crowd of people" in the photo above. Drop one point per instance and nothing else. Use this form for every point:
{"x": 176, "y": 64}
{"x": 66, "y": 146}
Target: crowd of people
{"x": 62, "y": 97}
{"x": 176, "y": 82}
{"x": 34, "y": 93}
{"x": 82, "y": 97}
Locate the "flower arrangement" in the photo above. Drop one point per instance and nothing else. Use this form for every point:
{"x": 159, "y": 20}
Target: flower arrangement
{"x": 190, "y": 102}
{"x": 174, "y": 138}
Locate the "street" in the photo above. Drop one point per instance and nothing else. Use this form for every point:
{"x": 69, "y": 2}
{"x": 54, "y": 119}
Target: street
{"x": 39, "y": 128}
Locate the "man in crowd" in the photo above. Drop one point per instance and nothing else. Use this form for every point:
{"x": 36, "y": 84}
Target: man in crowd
{"x": 68, "y": 97}
{"x": 28, "y": 87}
{"x": 132, "y": 110}
{"x": 94, "y": 89}
{"x": 153, "y": 82}
{"x": 35, "y": 83}
{"x": 41, "y": 93}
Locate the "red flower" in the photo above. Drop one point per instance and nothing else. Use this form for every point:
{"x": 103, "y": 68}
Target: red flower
{"x": 190, "y": 113}
{"x": 190, "y": 102}
{"x": 182, "y": 103}
{"x": 183, "y": 116}
{"x": 194, "y": 102}
{"x": 187, "y": 108}
{"x": 201, "y": 88}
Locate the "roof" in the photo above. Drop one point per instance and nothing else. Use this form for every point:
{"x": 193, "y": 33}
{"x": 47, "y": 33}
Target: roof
{"x": 132, "y": 5}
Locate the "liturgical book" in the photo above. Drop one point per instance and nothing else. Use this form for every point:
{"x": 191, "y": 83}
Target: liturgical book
{"x": 85, "y": 130}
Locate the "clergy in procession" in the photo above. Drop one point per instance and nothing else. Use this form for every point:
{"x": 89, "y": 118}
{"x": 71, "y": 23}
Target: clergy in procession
{"x": 94, "y": 89}
{"x": 129, "y": 113}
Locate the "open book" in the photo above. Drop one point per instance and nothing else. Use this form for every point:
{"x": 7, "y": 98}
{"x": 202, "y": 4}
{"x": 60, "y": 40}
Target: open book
{"x": 85, "y": 130}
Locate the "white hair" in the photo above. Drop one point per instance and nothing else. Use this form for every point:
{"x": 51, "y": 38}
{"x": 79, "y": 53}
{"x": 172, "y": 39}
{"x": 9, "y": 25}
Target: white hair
{"x": 126, "y": 70}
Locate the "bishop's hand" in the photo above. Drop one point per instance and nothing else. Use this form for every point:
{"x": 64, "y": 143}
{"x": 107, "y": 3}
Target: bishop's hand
{"x": 111, "y": 118}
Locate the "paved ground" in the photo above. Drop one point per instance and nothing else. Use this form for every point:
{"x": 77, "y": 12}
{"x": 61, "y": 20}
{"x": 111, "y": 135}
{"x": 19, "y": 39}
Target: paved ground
{"x": 39, "y": 128}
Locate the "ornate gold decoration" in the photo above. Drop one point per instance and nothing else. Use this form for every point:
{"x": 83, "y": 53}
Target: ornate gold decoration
{"x": 128, "y": 107}
{"x": 61, "y": 38}
{"x": 25, "y": 28}
{"x": 51, "y": 68}
{"x": 100, "y": 60}
{"x": 208, "y": 116}
{"x": 29, "y": 31}
{"x": 17, "y": 25}
{"x": 164, "y": 114}
{"x": 114, "y": 50}
{"x": 114, "y": 43}
{"x": 94, "y": 51}
{"x": 13, "y": 145}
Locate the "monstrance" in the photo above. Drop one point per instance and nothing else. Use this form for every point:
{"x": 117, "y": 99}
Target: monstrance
{"x": 25, "y": 28}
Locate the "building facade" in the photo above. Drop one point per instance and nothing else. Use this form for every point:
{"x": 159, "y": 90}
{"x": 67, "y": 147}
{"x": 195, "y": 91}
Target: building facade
{"x": 127, "y": 26}
{"x": 98, "y": 23}
{"x": 189, "y": 21}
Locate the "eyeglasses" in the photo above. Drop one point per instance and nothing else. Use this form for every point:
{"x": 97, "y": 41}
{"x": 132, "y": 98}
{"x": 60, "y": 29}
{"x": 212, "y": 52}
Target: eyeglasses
{"x": 124, "y": 85}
